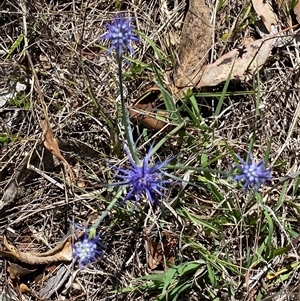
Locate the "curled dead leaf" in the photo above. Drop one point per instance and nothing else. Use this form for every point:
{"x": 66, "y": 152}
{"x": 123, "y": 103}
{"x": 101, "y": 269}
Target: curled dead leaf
{"x": 150, "y": 111}
{"x": 16, "y": 271}
{"x": 51, "y": 144}
{"x": 63, "y": 253}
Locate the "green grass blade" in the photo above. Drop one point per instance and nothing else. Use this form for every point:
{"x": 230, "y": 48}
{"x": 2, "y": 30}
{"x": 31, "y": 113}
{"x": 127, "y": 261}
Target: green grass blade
{"x": 14, "y": 46}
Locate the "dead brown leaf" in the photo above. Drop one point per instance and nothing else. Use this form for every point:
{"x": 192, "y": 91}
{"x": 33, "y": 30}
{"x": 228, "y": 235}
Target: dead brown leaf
{"x": 243, "y": 61}
{"x": 297, "y": 11}
{"x": 16, "y": 271}
{"x": 160, "y": 251}
{"x": 62, "y": 253}
{"x": 266, "y": 13}
{"x": 149, "y": 111}
{"x": 195, "y": 42}
{"x": 51, "y": 144}
{"x": 25, "y": 289}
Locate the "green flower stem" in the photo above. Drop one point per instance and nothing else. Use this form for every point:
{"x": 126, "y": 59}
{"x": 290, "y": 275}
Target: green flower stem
{"x": 93, "y": 229}
{"x": 129, "y": 138}
{"x": 126, "y": 119}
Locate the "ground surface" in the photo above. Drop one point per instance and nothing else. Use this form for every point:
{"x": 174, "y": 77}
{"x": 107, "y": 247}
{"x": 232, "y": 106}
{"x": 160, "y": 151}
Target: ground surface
{"x": 220, "y": 243}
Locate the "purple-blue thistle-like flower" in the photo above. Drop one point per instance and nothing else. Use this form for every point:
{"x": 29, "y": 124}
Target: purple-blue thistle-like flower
{"x": 143, "y": 179}
{"x": 119, "y": 34}
{"x": 87, "y": 250}
{"x": 253, "y": 174}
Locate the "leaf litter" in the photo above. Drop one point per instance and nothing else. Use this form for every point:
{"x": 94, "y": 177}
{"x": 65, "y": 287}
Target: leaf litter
{"x": 25, "y": 263}
{"x": 61, "y": 253}
{"x": 195, "y": 43}
{"x": 265, "y": 11}
{"x": 161, "y": 252}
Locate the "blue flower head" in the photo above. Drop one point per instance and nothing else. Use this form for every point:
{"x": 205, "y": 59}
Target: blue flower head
{"x": 253, "y": 174}
{"x": 87, "y": 250}
{"x": 143, "y": 179}
{"x": 120, "y": 33}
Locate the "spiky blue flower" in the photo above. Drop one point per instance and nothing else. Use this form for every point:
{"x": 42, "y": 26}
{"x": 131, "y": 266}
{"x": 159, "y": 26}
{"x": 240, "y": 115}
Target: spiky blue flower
{"x": 143, "y": 179}
{"x": 253, "y": 174}
{"x": 120, "y": 34}
{"x": 87, "y": 250}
